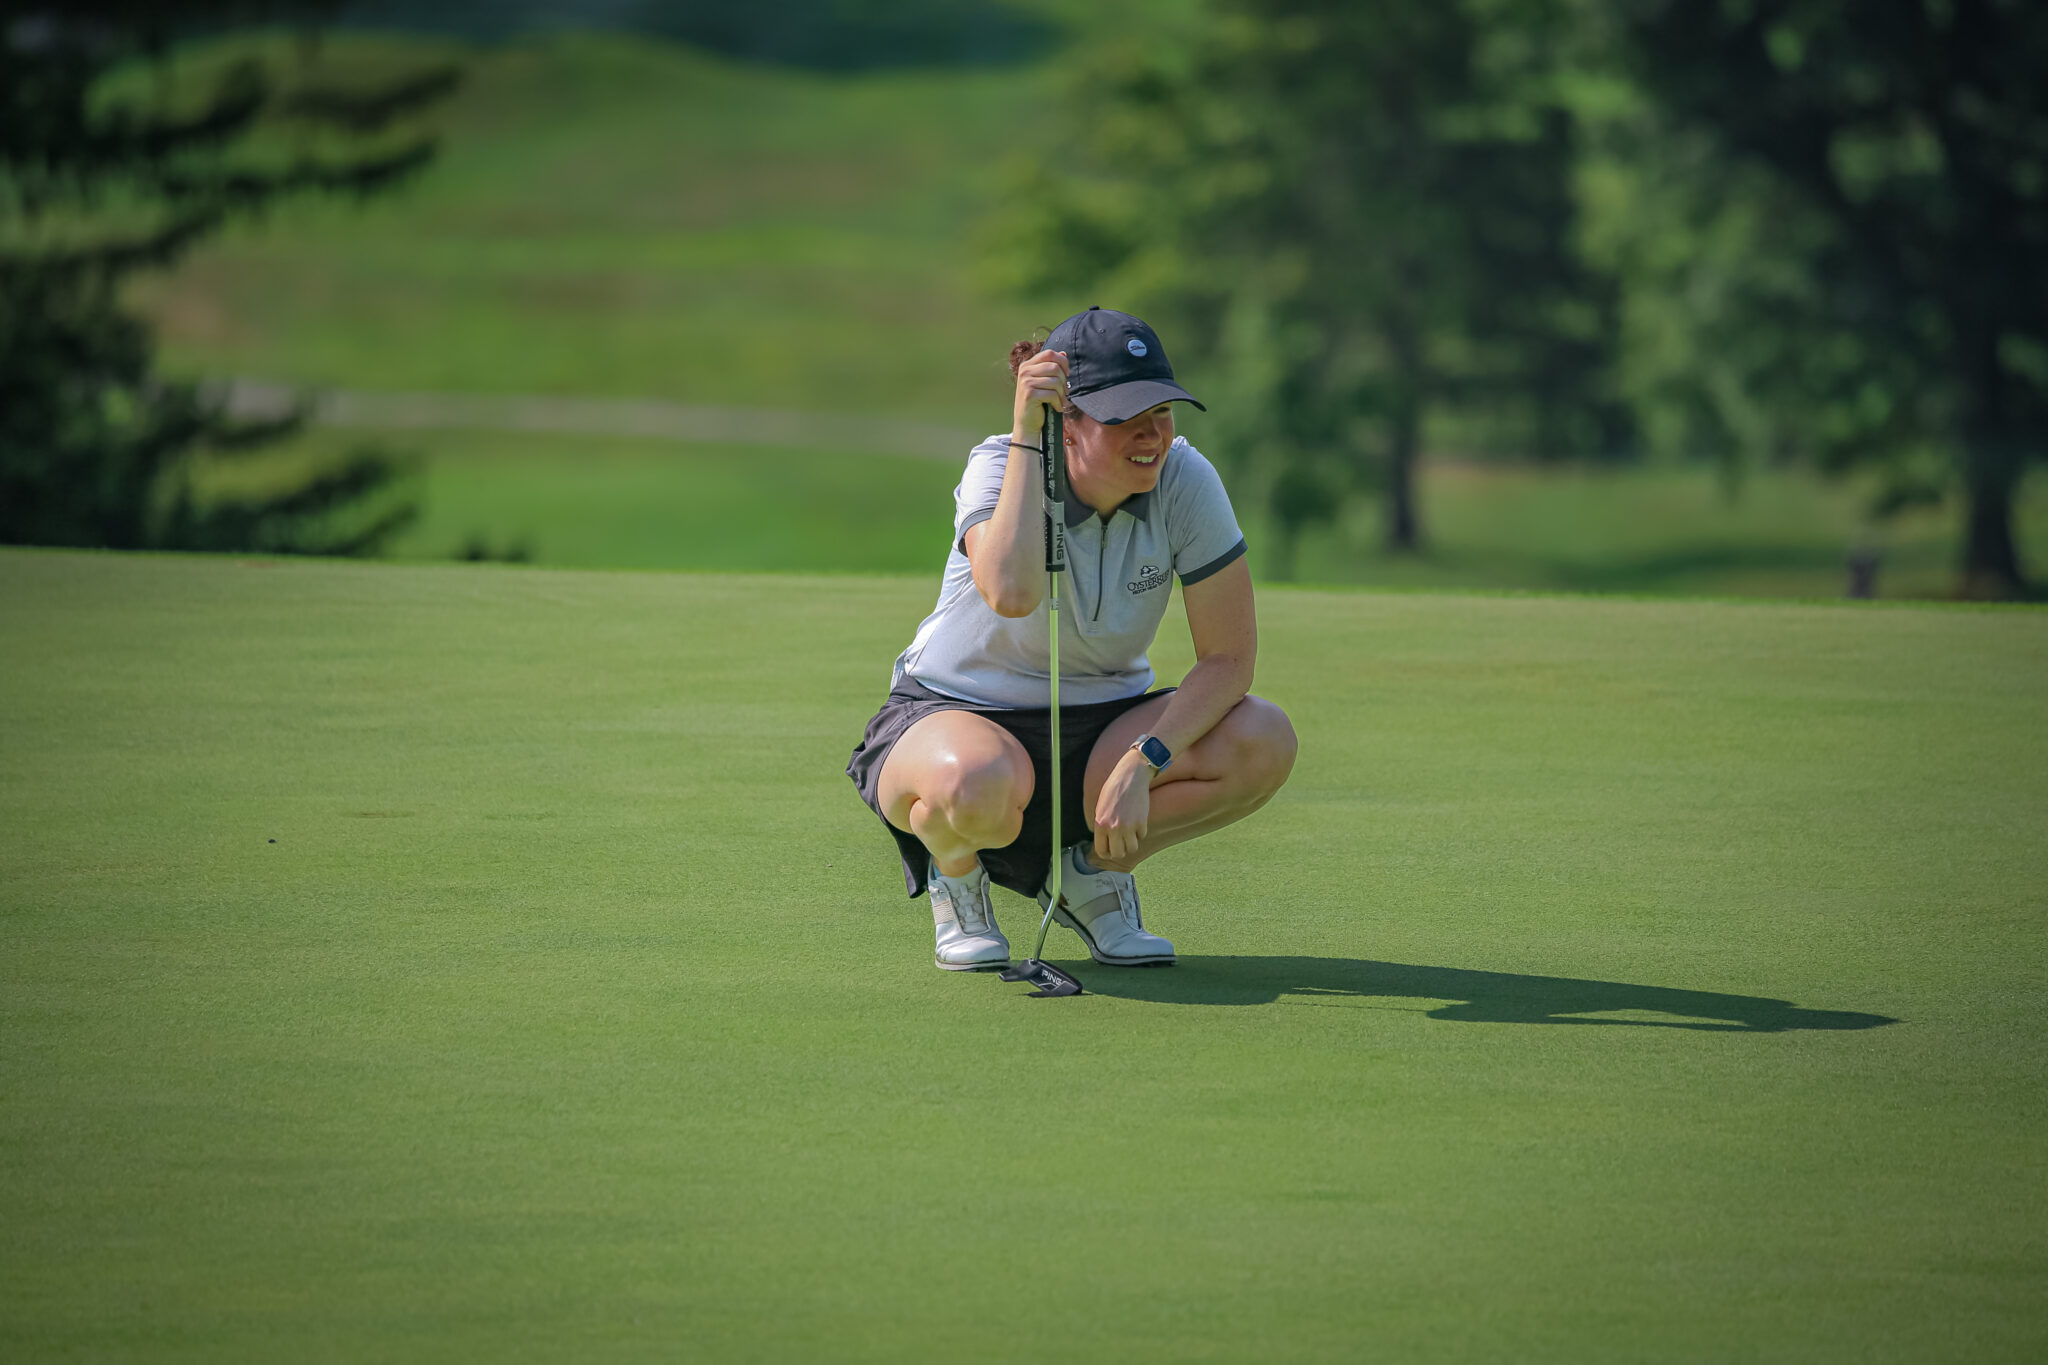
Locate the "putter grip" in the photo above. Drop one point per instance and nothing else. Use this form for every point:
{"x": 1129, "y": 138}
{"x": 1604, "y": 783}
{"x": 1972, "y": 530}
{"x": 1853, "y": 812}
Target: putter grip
{"x": 1053, "y": 438}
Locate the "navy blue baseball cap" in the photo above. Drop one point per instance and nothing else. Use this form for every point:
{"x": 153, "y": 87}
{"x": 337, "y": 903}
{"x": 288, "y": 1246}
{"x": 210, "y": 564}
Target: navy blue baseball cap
{"x": 1116, "y": 367}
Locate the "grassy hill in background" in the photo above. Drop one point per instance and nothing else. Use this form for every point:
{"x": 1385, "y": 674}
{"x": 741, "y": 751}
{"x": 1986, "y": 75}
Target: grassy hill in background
{"x": 450, "y": 963}
{"x": 616, "y": 216}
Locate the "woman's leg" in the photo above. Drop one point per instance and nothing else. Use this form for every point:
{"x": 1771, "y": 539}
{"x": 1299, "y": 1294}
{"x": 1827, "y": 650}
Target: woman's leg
{"x": 1218, "y": 780}
{"x": 959, "y": 782}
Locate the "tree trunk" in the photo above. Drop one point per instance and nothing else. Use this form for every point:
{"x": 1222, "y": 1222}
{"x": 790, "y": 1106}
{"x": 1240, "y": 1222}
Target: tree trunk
{"x": 1991, "y": 561}
{"x": 1404, "y": 532}
{"x": 1404, "y": 437}
{"x": 1993, "y": 456}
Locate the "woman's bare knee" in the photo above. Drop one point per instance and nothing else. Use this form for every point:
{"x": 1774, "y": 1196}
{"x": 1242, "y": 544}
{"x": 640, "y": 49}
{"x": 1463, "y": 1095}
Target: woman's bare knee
{"x": 1259, "y": 748}
{"x": 981, "y": 799}
{"x": 965, "y": 772}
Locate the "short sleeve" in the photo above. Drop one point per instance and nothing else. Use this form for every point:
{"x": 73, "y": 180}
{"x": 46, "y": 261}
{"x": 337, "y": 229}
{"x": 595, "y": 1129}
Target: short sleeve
{"x": 1202, "y": 529}
{"x": 981, "y": 483}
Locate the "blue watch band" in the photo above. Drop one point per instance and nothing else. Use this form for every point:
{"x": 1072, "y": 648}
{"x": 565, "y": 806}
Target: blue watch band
{"x": 1155, "y": 752}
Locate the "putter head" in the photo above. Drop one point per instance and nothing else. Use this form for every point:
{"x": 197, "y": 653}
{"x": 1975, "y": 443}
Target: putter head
{"x": 1050, "y": 980}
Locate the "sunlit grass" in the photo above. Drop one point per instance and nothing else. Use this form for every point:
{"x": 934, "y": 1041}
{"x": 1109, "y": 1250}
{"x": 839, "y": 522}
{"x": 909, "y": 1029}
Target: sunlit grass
{"x": 466, "y": 963}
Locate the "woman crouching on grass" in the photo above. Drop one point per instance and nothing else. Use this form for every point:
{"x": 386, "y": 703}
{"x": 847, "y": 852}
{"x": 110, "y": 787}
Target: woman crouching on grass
{"x": 955, "y": 761}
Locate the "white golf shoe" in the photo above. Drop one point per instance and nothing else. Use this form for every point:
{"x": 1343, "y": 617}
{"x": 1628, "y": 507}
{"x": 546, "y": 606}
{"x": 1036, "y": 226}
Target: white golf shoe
{"x": 1102, "y": 907}
{"x": 965, "y": 923}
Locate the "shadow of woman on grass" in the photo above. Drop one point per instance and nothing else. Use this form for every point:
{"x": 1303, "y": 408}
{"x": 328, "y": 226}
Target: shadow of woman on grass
{"x": 1472, "y": 997}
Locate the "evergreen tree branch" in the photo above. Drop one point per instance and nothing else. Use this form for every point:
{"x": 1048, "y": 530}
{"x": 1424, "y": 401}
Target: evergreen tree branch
{"x": 371, "y": 111}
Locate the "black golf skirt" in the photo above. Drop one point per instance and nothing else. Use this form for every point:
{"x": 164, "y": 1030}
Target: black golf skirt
{"x": 1022, "y": 865}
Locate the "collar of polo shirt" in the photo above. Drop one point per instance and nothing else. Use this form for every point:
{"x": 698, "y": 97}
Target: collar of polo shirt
{"x": 1138, "y": 505}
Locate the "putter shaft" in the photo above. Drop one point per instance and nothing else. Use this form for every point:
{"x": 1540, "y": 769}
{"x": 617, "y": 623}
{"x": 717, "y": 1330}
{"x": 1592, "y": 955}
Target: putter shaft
{"x": 1053, "y": 438}
{"x": 1050, "y": 980}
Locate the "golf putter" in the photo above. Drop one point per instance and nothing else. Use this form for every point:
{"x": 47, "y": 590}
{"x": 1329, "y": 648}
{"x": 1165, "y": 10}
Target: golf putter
{"x": 1050, "y": 980}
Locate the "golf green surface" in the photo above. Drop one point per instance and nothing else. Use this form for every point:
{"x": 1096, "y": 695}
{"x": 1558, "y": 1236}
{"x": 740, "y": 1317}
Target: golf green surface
{"x": 451, "y": 962}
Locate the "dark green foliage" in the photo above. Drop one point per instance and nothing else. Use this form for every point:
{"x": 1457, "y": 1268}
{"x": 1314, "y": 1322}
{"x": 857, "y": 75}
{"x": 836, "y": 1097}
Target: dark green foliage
{"x": 1348, "y": 215}
{"x": 1763, "y": 231}
{"x": 477, "y": 549}
{"x": 825, "y": 35}
{"x": 103, "y": 175}
{"x": 1907, "y": 143}
{"x": 852, "y": 35}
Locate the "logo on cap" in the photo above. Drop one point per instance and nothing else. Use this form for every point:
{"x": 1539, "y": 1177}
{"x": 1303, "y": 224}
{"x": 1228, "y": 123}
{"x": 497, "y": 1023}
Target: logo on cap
{"x": 1135, "y": 346}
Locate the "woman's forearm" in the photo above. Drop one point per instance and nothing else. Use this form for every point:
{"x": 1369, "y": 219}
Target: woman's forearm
{"x": 1009, "y": 554}
{"x": 1214, "y": 685}
{"x": 1008, "y": 550}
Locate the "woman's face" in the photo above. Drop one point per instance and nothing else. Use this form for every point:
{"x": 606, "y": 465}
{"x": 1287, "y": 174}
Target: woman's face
{"x": 1114, "y": 462}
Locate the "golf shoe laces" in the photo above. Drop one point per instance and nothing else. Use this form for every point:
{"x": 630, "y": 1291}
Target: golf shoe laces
{"x": 968, "y": 897}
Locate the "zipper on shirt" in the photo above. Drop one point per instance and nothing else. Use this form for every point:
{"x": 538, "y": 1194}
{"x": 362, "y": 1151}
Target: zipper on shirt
{"x": 1101, "y": 553}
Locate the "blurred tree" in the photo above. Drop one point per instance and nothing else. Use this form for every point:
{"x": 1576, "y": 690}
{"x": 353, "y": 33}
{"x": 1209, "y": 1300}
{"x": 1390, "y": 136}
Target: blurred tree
{"x": 853, "y": 35}
{"x": 1351, "y": 213}
{"x": 1903, "y": 150}
{"x": 1715, "y": 290}
{"x": 105, "y": 172}
{"x": 825, "y": 35}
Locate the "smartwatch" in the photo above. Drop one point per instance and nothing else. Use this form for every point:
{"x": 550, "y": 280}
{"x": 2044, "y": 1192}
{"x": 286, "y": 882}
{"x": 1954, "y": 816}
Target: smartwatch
{"x": 1154, "y": 752}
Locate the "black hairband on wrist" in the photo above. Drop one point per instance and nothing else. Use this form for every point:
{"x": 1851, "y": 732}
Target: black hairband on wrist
{"x": 1026, "y": 445}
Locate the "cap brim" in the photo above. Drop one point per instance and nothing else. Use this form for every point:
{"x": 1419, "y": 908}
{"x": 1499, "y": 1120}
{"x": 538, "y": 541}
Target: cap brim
{"x": 1122, "y": 402}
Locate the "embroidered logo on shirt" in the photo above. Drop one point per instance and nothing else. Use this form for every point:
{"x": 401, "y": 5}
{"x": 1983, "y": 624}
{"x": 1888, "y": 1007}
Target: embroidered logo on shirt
{"x": 1150, "y": 577}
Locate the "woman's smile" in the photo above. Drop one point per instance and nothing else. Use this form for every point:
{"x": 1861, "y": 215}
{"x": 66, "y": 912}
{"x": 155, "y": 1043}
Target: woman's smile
{"x": 1137, "y": 448}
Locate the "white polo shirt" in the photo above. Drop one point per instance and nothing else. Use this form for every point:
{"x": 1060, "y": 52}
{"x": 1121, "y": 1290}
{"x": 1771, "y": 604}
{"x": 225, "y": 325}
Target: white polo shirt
{"x": 1112, "y": 597}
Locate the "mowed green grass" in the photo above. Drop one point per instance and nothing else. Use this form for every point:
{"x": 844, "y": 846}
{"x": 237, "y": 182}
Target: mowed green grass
{"x": 1653, "y": 529}
{"x": 1615, "y": 981}
{"x": 619, "y": 503}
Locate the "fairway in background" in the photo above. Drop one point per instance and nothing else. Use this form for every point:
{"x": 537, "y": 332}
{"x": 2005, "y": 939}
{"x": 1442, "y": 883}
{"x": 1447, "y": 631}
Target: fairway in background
{"x": 617, "y": 216}
{"x": 618, "y": 503}
{"x": 440, "y": 962}
{"x": 1654, "y": 529}
{"x": 611, "y": 502}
